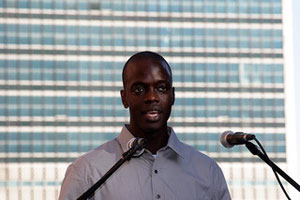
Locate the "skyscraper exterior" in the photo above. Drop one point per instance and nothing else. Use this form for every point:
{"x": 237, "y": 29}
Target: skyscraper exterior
{"x": 60, "y": 76}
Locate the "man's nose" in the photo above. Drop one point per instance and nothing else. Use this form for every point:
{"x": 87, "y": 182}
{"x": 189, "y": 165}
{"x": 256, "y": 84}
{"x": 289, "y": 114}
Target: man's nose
{"x": 151, "y": 96}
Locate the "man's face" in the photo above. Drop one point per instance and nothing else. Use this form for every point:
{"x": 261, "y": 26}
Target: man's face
{"x": 148, "y": 93}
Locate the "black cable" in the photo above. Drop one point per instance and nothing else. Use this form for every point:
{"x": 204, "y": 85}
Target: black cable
{"x": 276, "y": 175}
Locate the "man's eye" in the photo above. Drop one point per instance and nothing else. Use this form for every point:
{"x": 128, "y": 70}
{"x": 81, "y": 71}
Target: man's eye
{"x": 162, "y": 88}
{"x": 139, "y": 90}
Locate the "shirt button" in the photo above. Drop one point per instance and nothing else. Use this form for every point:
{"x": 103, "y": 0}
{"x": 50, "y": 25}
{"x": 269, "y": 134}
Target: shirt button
{"x": 158, "y": 196}
{"x": 155, "y": 171}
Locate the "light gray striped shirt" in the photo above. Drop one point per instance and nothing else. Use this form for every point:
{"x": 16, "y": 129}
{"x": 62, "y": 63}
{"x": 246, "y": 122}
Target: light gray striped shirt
{"x": 178, "y": 172}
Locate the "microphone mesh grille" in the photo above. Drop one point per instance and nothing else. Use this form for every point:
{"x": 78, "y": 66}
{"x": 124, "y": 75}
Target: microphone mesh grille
{"x": 223, "y": 140}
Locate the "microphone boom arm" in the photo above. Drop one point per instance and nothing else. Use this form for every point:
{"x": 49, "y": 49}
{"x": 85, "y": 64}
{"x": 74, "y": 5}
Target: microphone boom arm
{"x": 125, "y": 157}
{"x": 255, "y": 151}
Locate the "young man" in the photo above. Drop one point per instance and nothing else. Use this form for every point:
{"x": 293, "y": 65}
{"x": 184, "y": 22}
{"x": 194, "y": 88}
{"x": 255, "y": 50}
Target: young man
{"x": 168, "y": 169}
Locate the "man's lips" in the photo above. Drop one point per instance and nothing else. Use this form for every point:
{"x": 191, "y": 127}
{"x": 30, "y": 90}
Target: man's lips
{"x": 151, "y": 110}
{"x": 152, "y": 115}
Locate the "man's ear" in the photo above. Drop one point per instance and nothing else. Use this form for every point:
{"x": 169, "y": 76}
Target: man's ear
{"x": 173, "y": 96}
{"x": 123, "y": 97}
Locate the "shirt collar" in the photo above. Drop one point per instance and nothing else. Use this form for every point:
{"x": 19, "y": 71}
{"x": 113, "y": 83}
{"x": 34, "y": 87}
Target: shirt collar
{"x": 173, "y": 141}
{"x": 124, "y": 138}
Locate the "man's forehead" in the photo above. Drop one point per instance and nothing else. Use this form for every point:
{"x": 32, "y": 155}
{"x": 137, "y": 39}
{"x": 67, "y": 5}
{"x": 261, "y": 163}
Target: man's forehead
{"x": 139, "y": 71}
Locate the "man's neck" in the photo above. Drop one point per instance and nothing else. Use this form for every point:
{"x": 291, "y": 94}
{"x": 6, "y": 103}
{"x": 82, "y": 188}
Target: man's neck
{"x": 155, "y": 140}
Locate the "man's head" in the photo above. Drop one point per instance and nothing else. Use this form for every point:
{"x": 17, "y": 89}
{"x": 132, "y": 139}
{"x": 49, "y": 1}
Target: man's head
{"x": 147, "y": 54}
{"x": 148, "y": 92}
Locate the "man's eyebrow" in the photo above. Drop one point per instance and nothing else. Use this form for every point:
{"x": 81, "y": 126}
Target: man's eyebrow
{"x": 164, "y": 81}
{"x": 157, "y": 82}
{"x": 137, "y": 83}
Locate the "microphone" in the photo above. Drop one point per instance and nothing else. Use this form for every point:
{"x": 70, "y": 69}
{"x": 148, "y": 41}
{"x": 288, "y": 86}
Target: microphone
{"x": 137, "y": 143}
{"x": 228, "y": 138}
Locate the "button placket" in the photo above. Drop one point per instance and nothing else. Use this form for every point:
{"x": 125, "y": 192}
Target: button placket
{"x": 157, "y": 193}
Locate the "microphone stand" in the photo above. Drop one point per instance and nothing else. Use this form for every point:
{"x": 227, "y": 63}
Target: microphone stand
{"x": 255, "y": 151}
{"x": 125, "y": 157}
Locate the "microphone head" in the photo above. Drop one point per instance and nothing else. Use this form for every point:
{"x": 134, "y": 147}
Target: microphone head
{"x": 223, "y": 139}
{"x": 134, "y": 142}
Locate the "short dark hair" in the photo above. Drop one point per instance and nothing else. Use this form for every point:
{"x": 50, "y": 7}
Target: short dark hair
{"x": 146, "y": 54}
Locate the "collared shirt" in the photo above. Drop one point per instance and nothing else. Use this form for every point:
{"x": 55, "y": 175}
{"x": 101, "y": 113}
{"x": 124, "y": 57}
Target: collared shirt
{"x": 179, "y": 172}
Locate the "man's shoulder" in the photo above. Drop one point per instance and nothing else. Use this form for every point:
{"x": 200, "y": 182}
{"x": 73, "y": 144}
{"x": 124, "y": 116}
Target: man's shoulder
{"x": 104, "y": 154}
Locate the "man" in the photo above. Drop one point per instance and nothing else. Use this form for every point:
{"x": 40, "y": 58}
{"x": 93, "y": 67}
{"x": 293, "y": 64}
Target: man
{"x": 168, "y": 169}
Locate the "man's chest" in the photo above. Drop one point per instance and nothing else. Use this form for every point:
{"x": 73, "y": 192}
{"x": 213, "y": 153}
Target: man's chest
{"x": 142, "y": 179}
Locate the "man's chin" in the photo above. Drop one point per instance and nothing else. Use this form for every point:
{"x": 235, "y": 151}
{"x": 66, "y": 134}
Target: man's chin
{"x": 152, "y": 128}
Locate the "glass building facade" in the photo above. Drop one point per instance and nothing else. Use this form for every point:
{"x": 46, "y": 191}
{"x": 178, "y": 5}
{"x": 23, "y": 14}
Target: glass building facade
{"x": 60, "y": 76}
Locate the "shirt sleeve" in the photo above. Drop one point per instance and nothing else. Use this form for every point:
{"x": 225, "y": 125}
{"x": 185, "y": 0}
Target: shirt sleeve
{"x": 219, "y": 186}
{"x": 73, "y": 185}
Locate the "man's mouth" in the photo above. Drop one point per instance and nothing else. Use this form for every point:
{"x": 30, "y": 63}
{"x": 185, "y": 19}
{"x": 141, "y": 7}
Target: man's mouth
{"x": 152, "y": 115}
